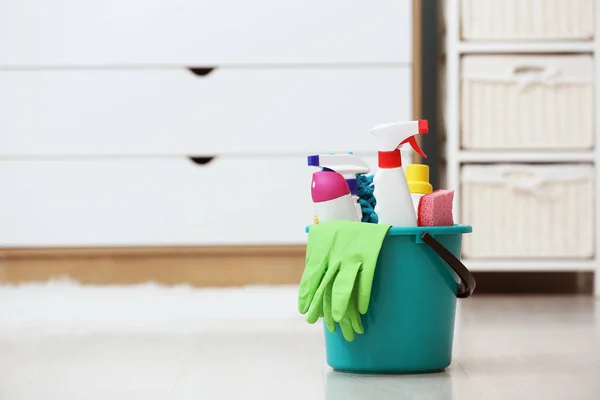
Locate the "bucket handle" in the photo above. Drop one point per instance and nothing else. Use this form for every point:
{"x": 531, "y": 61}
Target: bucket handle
{"x": 467, "y": 283}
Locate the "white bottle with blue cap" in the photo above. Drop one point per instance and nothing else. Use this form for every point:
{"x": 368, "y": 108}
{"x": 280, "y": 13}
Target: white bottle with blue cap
{"x": 348, "y": 165}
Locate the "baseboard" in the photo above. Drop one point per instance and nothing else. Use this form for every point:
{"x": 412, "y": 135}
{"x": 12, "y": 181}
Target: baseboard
{"x": 200, "y": 266}
{"x": 224, "y": 266}
{"x": 539, "y": 282}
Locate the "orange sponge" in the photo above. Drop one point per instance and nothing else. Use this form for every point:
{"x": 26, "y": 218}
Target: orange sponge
{"x": 435, "y": 209}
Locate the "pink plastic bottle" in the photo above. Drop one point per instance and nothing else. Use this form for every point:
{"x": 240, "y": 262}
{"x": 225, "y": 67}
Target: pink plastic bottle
{"x": 332, "y": 198}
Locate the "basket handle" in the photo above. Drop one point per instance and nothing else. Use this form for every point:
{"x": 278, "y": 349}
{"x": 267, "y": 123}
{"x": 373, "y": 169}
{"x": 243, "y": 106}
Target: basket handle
{"x": 467, "y": 283}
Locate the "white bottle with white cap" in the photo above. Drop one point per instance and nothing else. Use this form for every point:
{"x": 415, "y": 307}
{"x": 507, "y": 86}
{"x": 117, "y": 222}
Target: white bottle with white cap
{"x": 394, "y": 202}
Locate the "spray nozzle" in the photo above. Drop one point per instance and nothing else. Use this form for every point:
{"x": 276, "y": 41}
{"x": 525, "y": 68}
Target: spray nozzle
{"x": 393, "y": 135}
{"x": 345, "y": 164}
{"x": 422, "y": 128}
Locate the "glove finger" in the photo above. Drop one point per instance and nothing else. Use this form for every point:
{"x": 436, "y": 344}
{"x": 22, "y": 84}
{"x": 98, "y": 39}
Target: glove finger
{"x": 347, "y": 330}
{"x": 355, "y": 316}
{"x": 316, "y": 307}
{"x": 311, "y": 278}
{"x": 327, "y": 312}
{"x": 365, "y": 284}
{"x": 320, "y": 240}
{"x": 356, "y": 322}
{"x": 342, "y": 289}
{"x": 369, "y": 263}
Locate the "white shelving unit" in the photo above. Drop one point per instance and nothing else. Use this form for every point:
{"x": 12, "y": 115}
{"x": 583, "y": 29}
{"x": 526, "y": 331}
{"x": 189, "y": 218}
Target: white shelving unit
{"x": 531, "y": 265}
{"x": 466, "y": 156}
{"x": 455, "y": 156}
{"x": 524, "y": 47}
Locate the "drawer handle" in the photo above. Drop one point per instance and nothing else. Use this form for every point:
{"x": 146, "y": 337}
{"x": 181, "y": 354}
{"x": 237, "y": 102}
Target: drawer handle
{"x": 528, "y": 70}
{"x": 201, "y": 160}
{"x": 527, "y": 75}
{"x": 523, "y": 180}
{"x": 201, "y": 72}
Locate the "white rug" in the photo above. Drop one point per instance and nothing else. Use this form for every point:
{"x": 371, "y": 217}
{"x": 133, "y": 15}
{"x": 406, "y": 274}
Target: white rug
{"x": 66, "y": 341}
{"x": 63, "y": 306}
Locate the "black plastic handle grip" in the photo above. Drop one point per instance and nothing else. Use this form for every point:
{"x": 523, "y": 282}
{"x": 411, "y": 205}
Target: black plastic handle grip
{"x": 467, "y": 283}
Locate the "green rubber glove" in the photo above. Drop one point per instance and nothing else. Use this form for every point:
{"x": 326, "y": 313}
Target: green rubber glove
{"x": 351, "y": 322}
{"x": 321, "y": 306}
{"x": 320, "y": 243}
{"x": 340, "y": 264}
{"x": 356, "y": 248}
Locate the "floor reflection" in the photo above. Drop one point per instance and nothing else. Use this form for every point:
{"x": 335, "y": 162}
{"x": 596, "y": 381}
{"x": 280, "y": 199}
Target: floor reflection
{"x": 342, "y": 386}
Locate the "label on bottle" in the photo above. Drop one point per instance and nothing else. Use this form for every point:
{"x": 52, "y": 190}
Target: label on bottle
{"x": 341, "y": 208}
{"x": 394, "y": 203}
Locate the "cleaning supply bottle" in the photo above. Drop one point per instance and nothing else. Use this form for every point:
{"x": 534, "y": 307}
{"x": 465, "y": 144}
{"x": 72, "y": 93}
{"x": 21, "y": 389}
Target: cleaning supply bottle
{"x": 394, "y": 202}
{"x": 417, "y": 176}
{"x": 332, "y": 198}
{"x": 348, "y": 165}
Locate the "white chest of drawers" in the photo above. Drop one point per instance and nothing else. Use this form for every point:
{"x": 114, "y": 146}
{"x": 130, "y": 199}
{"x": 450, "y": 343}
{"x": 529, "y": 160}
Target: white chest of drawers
{"x": 102, "y": 105}
{"x": 203, "y": 32}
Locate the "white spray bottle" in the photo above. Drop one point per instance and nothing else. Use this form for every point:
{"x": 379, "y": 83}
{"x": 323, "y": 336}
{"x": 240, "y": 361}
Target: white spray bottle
{"x": 349, "y": 166}
{"x": 394, "y": 202}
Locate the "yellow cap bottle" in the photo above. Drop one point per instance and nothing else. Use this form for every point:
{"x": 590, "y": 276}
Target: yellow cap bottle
{"x": 417, "y": 176}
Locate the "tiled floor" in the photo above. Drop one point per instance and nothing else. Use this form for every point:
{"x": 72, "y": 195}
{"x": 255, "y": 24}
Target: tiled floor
{"x": 66, "y": 342}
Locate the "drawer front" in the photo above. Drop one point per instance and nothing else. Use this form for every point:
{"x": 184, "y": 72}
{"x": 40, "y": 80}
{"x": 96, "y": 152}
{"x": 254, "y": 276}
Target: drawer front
{"x": 177, "y": 112}
{"x": 527, "y": 102}
{"x": 527, "y": 19}
{"x": 529, "y": 212}
{"x": 203, "y": 32}
{"x": 155, "y": 202}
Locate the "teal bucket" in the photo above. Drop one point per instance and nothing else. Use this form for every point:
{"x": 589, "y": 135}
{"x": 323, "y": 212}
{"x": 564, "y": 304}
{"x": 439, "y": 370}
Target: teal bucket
{"x": 409, "y": 327}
